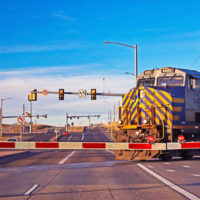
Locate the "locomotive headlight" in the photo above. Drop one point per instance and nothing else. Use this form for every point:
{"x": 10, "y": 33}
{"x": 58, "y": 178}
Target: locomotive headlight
{"x": 146, "y": 121}
{"x": 142, "y": 94}
{"x": 120, "y": 122}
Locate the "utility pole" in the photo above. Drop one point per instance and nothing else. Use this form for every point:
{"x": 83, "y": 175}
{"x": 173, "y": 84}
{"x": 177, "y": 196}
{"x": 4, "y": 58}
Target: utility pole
{"x": 1, "y": 119}
{"x": 66, "y": 121}
{"x": 23, "y": 128}
{"x": 89, "y": 119}
{"x": 30, "y": 130}
{"x": 136, "y": 70}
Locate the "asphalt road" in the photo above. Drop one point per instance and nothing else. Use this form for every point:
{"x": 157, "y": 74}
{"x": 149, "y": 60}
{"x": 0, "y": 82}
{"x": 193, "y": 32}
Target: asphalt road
{"x": 93, "y": 175}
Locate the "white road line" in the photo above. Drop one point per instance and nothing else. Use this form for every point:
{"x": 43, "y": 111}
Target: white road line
{"x": 170, "y": 170}
{"x": 170, "y": 184}
{"x": 186, "y": 166}
{"x": 83, "y": 136}
{"x": 110, "y": 151}
{"x": 69, "y": 137}
{"x": 196, "y": 175}
{"x": 107, "y": 137}
{"x": 31, "y": 190}
{"x": 166, "y": 163}
{"x": 66, "y": 158}
{"x": 149, "y": 166}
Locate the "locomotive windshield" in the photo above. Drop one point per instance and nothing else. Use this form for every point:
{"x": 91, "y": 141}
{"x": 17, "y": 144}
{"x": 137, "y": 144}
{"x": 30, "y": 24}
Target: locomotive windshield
{"x": 146, "y": 82}
{"x": 170, "y": 81}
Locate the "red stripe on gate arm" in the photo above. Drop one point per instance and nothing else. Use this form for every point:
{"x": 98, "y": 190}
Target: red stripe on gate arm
{"x": 87, "y": 145}
{"x": 7, "y": 145}
{"x": 190, "y": 145}
{"x": 47, "y": 145}
{"x": 139, "y": 146}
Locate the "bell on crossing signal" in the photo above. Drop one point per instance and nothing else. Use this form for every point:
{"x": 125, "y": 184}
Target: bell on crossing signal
{"x": 61, "y": 94}
{"x": 28, "y": 114}
{"x": 93, "y": 94}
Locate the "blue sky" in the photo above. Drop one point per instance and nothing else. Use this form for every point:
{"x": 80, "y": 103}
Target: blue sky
{"x": 57, "y": 40}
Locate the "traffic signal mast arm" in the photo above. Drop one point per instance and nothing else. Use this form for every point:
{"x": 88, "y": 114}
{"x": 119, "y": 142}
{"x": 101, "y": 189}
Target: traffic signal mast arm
{"x": 88, "y": 93}
{"x": 78, "y": 116}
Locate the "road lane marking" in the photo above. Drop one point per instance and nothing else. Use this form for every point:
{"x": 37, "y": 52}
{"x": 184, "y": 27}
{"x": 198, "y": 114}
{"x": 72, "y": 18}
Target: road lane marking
{"x": 66, "y": 158}
{"x": 186, "y": 166}
{"x": 108, "y": 137}
{"x": 83, "y": 136}
{"x": 196, "y": 175}
{"x": 110, "y": 151}
{"x": 69, "y": 137}
{"x": 170, "y": 184}
{"x": 166, "y": 163}
{"x": 31, "y": 190}
{"x": 170, "y": 170}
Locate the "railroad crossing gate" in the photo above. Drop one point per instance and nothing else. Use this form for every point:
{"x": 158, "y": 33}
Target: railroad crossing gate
{"x": 98, "y": 145}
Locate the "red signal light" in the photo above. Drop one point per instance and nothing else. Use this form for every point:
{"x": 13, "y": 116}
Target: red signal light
{"x": 181, "y": 138}
{"x": 151, "y": 139}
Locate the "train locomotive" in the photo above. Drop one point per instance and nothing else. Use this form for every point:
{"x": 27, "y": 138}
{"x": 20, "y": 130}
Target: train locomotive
{"x": 164, "y": 107}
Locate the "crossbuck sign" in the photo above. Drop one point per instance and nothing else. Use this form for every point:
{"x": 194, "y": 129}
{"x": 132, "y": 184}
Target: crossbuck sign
{"x": 82, "y": 93}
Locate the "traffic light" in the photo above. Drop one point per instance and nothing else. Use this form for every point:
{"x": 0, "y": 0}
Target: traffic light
{"x": 45, "y": 116}
{"x": 61, "y": 94}
{"x": 37, "y": 116}
{"x": 93, "y": 94}
{"x": 33, "y": 95}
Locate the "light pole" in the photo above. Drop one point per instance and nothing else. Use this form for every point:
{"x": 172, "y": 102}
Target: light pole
{"x": 133, "y": 47}
{"x": 1, "y": 114}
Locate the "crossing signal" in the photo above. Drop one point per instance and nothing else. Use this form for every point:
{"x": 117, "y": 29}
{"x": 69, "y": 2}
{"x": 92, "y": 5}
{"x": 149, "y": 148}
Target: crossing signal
{"x": 28, "y": 114}
{"x": 93, "y": 94}
{"x": 61, "y": 94}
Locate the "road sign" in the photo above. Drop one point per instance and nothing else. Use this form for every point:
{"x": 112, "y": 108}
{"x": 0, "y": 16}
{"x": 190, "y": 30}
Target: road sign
{"x": 45, "y": 92}
{"x": 82, "y": 93}
{"x": 20, "y": 119}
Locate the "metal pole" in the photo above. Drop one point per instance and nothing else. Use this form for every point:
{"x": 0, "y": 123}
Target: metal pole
{"x": 66, "y": 121}
{"x": 1, "y": 117}
{"x": 114, "y": 113}
{"x": 23, "y": 126}
{"x": 89, "y": 119}
{"x": 30, "y": 117}
{"x": 136, "y": 71}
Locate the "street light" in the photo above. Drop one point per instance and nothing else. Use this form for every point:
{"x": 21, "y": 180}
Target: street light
{"x": 129, "y": 73}
{"x": 1, "y": 114}
{"x": 133, "y": 47}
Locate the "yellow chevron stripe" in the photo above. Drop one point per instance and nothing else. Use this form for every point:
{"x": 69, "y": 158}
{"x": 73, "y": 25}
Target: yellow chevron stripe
{"x": 161, "y": 108}
{"x": 172, "y": 108}
{"x": 176, "y": 117}
{"x": 178, "y": 100}
{"x": 123, "y": 100}
{"x": 166, "y": 94}
{"x": 161, "y": 98}
{"x": 177, "y": 109}
{"x": 159, "y": 104}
